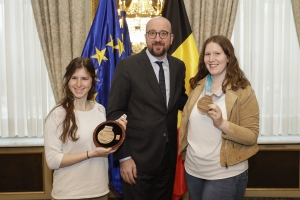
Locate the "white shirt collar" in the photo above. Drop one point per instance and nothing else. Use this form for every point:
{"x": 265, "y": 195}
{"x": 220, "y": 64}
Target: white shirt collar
{"x": 153, "y": 59}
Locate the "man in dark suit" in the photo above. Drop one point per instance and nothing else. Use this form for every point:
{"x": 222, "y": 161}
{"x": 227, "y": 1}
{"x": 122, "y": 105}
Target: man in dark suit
{"x": 150, "y": 94}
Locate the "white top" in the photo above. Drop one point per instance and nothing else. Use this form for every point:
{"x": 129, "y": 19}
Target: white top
{"x": 203, "y": 151}
{"x": 86, "y": 179}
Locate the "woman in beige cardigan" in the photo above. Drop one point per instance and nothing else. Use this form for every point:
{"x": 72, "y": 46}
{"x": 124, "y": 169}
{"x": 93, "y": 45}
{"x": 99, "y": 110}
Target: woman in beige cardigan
{"x": 220, "y": 125}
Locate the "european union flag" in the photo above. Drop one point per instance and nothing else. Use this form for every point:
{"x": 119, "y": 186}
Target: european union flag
{"x": 106, "y": 44}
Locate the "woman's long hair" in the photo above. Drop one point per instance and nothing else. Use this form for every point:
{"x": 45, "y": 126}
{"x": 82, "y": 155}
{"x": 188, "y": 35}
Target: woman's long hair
{"x": 69, "y": 123}
{"x": 234, "y": 75}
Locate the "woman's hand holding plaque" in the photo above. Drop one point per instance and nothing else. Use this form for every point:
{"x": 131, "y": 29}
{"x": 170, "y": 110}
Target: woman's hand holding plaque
{"x": 110, "y": 133}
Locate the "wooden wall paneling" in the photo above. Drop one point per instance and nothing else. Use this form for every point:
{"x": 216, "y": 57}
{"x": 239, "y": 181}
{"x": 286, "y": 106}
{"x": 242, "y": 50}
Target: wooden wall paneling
{"x": 275, "y": 171}
{"x": 24, "y": 173}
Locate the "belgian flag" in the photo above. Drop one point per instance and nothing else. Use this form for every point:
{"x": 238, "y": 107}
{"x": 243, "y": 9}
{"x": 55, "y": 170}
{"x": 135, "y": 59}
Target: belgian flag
{"x": 183, "y": 46}
{"x": 185, "y": 49}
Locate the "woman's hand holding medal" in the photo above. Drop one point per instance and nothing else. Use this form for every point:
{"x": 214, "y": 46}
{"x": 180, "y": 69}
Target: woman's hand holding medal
{"x": 215, "y": 113}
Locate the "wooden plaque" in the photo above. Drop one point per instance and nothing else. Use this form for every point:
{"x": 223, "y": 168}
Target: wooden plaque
{"x": 109, "y": 134}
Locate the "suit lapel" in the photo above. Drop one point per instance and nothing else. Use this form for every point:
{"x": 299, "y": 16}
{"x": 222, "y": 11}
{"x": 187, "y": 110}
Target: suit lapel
{"x": 172, "y": 80}
{"x": 149, "y": 72}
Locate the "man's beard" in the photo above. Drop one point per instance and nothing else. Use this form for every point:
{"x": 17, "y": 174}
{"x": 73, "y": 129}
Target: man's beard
{"x": 157, "y": 54}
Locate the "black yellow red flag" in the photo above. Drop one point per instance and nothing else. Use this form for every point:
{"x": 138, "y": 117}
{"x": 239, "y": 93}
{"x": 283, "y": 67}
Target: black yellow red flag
{"x": 183, "y": 46}
{"x": 185, "y": 49}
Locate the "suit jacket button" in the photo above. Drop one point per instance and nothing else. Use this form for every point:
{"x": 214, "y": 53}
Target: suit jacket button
{"x": 164, "y": 134}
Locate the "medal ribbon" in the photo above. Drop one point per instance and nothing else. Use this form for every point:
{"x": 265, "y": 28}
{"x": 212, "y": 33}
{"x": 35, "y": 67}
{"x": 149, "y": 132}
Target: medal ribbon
{"x": 208, "y": 84}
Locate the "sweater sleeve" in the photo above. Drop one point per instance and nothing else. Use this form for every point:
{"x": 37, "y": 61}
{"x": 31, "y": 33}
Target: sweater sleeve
{"x": 53, "y": 145}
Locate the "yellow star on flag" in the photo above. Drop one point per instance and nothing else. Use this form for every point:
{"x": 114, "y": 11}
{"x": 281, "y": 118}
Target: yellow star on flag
{"x": 99, "y": 55}
{"x": 111, "y": 42}
{"x": 120, "y": 46}
{"x": 97, "y": 79}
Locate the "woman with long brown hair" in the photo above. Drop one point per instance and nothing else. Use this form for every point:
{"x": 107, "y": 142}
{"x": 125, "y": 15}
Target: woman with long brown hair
{"x": 219, "y": 126}
{"x": 80, "y": 168}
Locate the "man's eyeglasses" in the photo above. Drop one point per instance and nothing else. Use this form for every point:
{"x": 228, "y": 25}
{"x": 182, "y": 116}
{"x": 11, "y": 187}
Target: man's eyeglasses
{"x": 162, "y": 34}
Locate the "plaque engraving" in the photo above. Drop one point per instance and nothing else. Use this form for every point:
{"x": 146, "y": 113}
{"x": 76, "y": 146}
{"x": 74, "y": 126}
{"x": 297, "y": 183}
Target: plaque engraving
{"x": 106, "y": 135}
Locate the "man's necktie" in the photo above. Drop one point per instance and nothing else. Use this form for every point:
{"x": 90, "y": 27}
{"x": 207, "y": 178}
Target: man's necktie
{"x": 161, "y": 78}
{"x": 162, "y": 85}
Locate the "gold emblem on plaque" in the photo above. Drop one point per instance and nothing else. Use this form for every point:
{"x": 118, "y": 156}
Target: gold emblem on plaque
{"x": 106, "y": 135}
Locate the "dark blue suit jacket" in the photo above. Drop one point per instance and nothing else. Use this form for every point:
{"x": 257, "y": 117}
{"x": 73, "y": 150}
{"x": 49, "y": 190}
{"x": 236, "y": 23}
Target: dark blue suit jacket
{"x": 135, "y": 91}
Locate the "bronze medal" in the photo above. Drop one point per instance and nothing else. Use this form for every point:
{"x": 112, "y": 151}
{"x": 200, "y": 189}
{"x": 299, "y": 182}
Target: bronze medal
{"x": 203, "y": 103}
